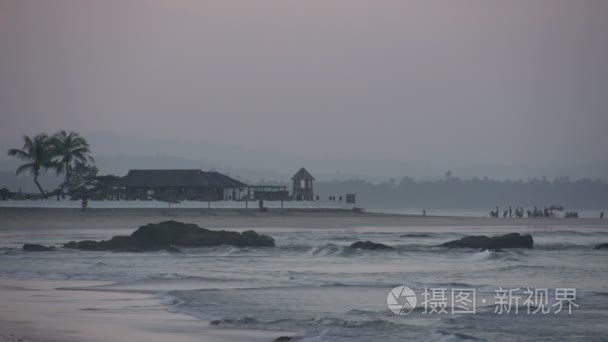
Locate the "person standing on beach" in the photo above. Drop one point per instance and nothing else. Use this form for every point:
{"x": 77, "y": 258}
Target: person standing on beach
{"x": 602, "y": 215}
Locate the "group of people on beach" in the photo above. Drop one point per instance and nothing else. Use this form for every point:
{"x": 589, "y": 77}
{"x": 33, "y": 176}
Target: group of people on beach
{"x": 573, "y": 214}
{"x": 509, "y": 212}
{"x": 546, "y": 212}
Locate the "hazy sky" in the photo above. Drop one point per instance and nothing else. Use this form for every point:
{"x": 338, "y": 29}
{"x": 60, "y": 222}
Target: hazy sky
{"x": 477, "y": 80}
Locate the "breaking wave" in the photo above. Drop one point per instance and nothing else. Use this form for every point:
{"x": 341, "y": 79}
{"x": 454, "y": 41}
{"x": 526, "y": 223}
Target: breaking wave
{"x": 444, "y": 336}
{"x": 331, "y": 250}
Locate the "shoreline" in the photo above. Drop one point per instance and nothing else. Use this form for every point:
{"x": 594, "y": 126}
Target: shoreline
{"x": 74, "y": 311}
{"x": 55, "y": 218}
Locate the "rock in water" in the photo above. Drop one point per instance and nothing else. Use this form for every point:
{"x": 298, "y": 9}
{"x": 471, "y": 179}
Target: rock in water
{"x": 283, "y": 339}
{"x": 601, "y": 246}
{"x": 37, "y": 248}
{"x": 369, "y": 245}
{"x": 416, "y": 235}
{"x": 513, "y": 240}
{"x": 170, "y": 235}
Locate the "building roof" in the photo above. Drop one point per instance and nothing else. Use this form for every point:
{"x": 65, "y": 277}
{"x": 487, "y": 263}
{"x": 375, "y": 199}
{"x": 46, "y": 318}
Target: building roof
{"x": 302, "y": 174}
{"x": 178, "y": 178}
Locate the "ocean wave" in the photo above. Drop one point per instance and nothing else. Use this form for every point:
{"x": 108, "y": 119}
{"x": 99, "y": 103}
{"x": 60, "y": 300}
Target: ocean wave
{"x": 179, "y": 276}
{"x": 343, "y": 238}
{"x": 522, "y": 266}
{"x": 505, "y": 255}
{"x": 223, "y": 250}
{"x": 483, "y": 255}
{"x": 286, "y": 323}
{"x": 352, "y": 323}
{"x": 331, "y": 250}
{"x": 295, "y": 248}
{"x": 307, "y": 281}
{"x": 235, "y": 321}
{"x": 444, "y": 336}
{"x": 417, "y": 248}
{"x": 169, "y": 300}
{"x": 9, "y": 251}
{"x": 562, "y": 246}
{"x": 347, "y": 251}
{"x": 556, "y": 233}
{"x": 232, "y": 250}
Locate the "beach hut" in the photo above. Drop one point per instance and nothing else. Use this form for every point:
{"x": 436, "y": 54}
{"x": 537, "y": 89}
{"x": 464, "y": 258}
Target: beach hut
{"x": 303, "y": 186}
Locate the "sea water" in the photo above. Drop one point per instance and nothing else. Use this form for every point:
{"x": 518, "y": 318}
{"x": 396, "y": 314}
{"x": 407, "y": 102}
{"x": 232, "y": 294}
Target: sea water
{"x": 313, "y": 284}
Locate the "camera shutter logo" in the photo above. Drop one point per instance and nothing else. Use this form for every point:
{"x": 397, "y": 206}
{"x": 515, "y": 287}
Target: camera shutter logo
{"x": 401, "y": 300}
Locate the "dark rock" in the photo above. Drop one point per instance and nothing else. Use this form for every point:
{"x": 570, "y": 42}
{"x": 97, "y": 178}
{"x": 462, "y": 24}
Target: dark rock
{"x": 601, "y": 246}
{"x": 512, "y": 240}
{"x": 37, "y": 248}
{"x": 251, "y": 238}
{"x": 416, "y": 235}
{"x": 170, "y": 235}
{"x": 283, "y": 339}
{"x": 85, "y": 244}
{"x": 478, "y": 241}
{"x": 369, "y": 245}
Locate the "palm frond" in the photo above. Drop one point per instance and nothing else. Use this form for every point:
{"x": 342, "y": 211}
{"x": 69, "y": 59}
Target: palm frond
{"x": 70, "y": 147}
{"x": 28, "y": 143}
{"x": 19, "y": 154}
{"x": 29, "y": 167}
{"x": 81, "y": 150}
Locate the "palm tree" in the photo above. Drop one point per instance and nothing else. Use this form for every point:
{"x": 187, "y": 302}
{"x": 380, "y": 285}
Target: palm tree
{"x": 38, "y": 153}
{"x": 68, "y": 149}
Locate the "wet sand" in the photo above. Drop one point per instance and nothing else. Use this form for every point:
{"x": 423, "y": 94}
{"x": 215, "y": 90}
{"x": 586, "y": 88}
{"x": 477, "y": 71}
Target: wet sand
{"x": 70, "y": 311}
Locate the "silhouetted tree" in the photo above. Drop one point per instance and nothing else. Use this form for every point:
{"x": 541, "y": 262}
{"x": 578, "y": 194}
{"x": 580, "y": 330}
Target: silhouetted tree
{"x": 5, "y": 193}
{"x": 82, "y": 180}
{"x": 38, "y": 154}
{"x": 70, "y": 148}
